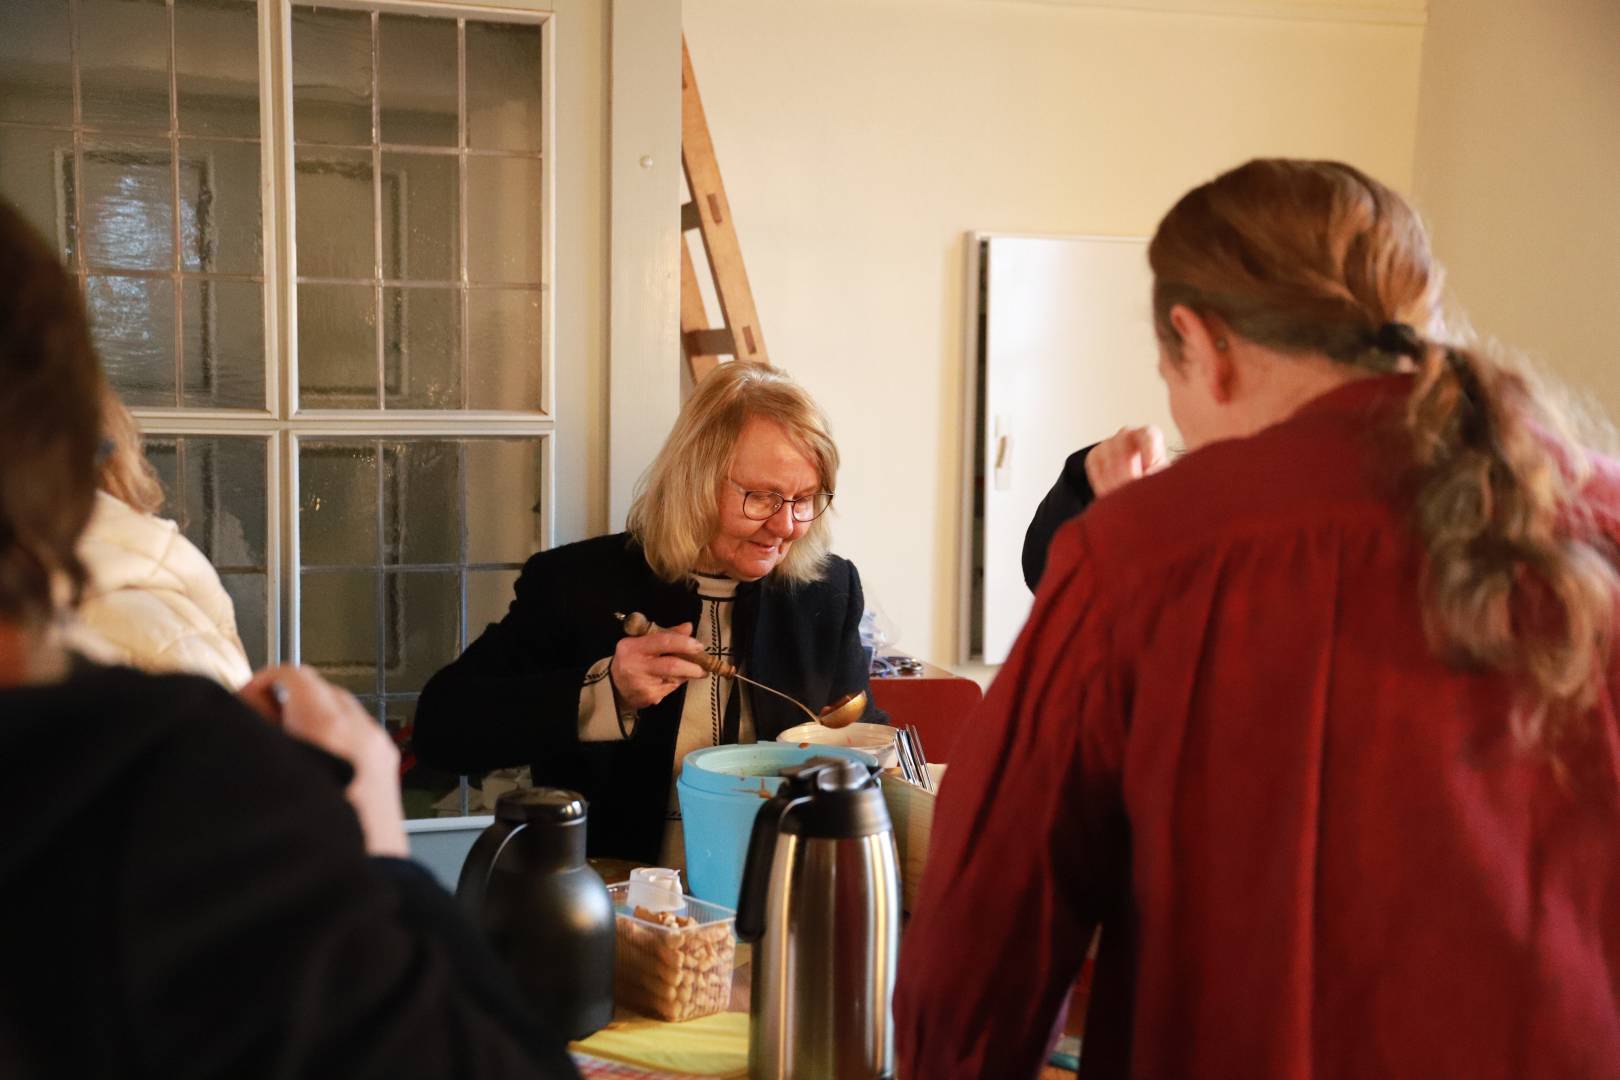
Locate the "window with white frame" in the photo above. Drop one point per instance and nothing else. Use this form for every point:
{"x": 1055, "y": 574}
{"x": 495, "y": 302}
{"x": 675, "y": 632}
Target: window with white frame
{"x": 315, "y": 245}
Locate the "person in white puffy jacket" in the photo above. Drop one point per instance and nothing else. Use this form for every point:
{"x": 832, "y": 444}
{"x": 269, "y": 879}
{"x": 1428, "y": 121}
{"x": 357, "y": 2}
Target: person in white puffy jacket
{"x": 152, "y": 601}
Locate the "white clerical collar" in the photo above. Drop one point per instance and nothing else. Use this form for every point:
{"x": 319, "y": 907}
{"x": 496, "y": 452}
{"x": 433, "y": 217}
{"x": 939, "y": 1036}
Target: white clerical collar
{"x": 713, "y": 586}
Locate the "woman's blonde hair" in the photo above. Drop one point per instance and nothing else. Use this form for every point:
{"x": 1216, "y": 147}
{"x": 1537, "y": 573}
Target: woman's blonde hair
{"x": 1315, "y": 256}
{"x": 677, "y": 509}
{"x": 126, "y": 475}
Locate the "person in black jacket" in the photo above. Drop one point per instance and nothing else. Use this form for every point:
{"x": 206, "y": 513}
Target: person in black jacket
{"x": 726, "y": 553}
{"x": 189, "y": 891}
{"x": 1089, "y": 473}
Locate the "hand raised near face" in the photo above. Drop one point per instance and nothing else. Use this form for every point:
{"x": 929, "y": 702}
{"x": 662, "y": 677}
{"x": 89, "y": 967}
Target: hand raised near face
{"x": 307, "y": 707}
{"x": 645, "y": 669}
{"x": 1129, "y": 454}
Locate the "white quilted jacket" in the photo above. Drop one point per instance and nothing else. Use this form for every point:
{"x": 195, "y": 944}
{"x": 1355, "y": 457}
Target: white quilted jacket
{"x": 153, "y": 601}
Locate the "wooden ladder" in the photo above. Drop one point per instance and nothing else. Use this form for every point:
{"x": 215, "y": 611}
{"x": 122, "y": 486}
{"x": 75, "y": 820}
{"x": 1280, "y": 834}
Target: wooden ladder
{"x": 709, "y": 214}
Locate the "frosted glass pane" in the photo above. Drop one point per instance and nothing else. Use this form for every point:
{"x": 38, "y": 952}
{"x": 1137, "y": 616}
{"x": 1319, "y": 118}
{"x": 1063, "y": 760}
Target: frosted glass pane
{"x": 216, "y": 67}
{"x": 337, "y": 503}
{"x": 331, "y": 54}
{"x": 503, "y": 86}
{"x": 128, "y": 204}
{"x": 338, "y": 628}
{"x": 160, "y": 451}
{"x": 504, "y": 489}
{"x": 422, "y": 239}
{"x": 132, "y": 322}
{"x": 124, "y": 64}
{"x": 503, "y": 366}
{"x": 28, "y": 180}
{"x": 504, "y": 221}
{"x": 422, "y": 502}
{"x": 223, "y": 343}
{"x": 337, "y": 346}
{"x": 416, "y": 80}
{"x": 221, "y": 226}
{"x": 489, "y": 594}
{"x": 250, "y": 595}
{"x": 422, "y": 348}
{"x": 36, "y": 73}
{"x": 423, "y": 627}
{"x": 335, "y": 214}
{"x": 218, "y": 496}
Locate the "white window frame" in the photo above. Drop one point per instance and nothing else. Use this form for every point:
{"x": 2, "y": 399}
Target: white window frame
{"x": 280, "y": 424}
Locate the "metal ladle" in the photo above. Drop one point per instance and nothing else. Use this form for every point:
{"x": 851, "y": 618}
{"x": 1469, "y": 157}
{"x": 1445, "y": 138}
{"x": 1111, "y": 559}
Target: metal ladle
{"x": 845, "y": 711}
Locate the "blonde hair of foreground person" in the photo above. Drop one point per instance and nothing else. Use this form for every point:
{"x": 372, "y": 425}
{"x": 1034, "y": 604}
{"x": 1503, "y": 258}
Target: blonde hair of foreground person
{"x": 1514, "y": 580}
{"x": 677, "y": 510}
{"x": 126, "y": 474}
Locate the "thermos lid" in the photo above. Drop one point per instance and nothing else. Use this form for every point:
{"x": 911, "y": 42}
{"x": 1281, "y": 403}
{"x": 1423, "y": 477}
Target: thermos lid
{"x": 834, "y": 798}
{"x": 541, "y": 806}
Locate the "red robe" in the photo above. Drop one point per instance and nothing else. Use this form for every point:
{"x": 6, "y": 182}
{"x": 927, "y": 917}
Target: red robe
{"x": 1314, "y": 850}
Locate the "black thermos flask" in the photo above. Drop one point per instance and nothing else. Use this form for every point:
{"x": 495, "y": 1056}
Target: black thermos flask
{"x": 543, "y": 908}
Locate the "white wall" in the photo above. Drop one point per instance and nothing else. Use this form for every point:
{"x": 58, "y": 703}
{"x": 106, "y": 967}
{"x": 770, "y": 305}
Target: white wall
{"x": 1518, "y": 175}
{"x": 860, "y": 139}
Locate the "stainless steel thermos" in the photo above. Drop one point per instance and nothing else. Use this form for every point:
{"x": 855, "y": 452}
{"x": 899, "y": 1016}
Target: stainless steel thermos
{"x": 820, "y": 902}
{"x": 546, "y": 912}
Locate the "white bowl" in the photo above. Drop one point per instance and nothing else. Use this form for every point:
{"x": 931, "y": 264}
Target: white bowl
{"x": 876, "y": 739}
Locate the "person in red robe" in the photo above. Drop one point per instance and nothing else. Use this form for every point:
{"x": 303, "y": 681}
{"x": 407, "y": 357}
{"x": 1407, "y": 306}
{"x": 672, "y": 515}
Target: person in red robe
{"x": 1317, "y": 724}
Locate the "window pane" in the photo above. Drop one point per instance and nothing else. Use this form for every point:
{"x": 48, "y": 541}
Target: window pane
{"x": 503, "y": 349}
{"x": 132, "y": 321}
{"x": 331, "y": 54}
{"x": 337, "y": 504}
{"x": 338, "y": 627}
{"x": 128, "y": 204}
{"x": 250, "y": 596}
{"x": 422, "y": 348}
{"x": 416, "y": 80}
{"x": 423, "y": 626}
{"x": 36, "y": 75}
{"x": 503, "y": 204}
{"x": 422, "y": 502}
{"x": 335, "y": 214}
{"x": 503, "y": 86}
{"x": 337, "y": 346}
{"x": 28, "y": 179}
{"x": 124, "y": 64}
{"x": 214, "y": 487}
{"x": 221, "y": 227}
{"x": 224, "y": 344}
{"x": 504, "y": 488}
{"x": 423, "y": 238}
{"x": 489, "y": 594}
{"x": 216, "y": 67}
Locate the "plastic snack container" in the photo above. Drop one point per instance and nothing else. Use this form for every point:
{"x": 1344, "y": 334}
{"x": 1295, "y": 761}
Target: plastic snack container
{"x": 672, "y": 966}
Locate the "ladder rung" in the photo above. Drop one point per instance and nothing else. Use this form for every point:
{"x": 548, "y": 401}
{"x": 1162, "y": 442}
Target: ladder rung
{"x": 689, "y": 217}
{"x": 714, "y": 342}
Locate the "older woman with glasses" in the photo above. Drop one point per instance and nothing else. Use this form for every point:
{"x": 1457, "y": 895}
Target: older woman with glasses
{"x": 726, "y": 553}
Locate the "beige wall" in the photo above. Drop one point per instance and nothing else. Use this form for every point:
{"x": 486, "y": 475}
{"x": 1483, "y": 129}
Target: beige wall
{"x": 860, "y": 140}
{"x": 1518, "y": 174}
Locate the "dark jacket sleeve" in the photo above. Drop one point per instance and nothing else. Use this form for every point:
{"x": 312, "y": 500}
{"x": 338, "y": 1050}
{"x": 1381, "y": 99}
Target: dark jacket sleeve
{"x": 260, "y": 940}
{"x": 514, "y": 694}
{"x": 1069, "y": 496}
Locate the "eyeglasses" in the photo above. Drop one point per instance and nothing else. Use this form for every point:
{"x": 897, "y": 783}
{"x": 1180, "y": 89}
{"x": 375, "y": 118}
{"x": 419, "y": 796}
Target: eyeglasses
{"x": 764, "y": 505}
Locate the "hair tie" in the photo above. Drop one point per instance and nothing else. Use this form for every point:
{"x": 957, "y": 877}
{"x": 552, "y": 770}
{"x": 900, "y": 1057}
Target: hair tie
{"x": 1399, "y": 339}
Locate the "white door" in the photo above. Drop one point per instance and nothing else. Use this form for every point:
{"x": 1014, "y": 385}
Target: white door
{"x": 1069, "y": 357}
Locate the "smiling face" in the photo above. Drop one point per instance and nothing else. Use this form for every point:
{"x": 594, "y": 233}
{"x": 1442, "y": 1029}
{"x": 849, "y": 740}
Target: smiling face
{"x": 765, "y": 460}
